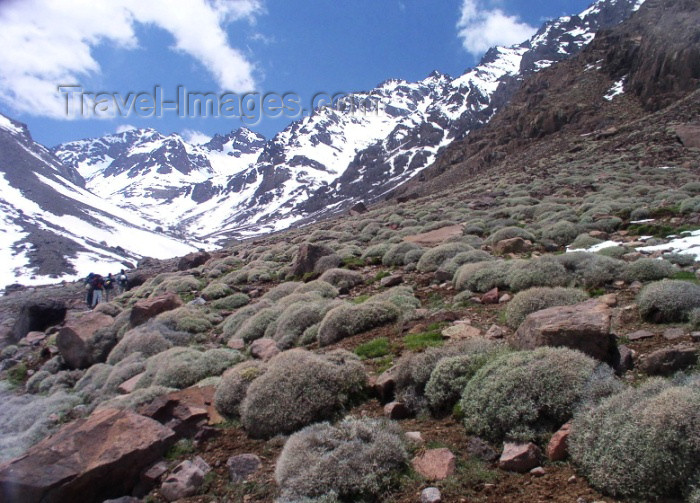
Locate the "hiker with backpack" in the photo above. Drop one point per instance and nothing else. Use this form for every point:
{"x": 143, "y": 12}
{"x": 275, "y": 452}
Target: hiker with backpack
{"x": 122, "y": 282}
{"x": 98, "y": 284}
{"x": 89, "y": 289}
{"x": 109, "y": 285}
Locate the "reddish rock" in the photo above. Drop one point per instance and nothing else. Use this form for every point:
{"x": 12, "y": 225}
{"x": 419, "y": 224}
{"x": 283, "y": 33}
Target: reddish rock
{"x": 185, "y": 480}
{"x": 436, "y": 237}
{"x": 416, "y": 437}
{"x": 584, "y": 326}
{"x": 670, "y": 334}
{"x": 264, "y": 349}
{"x": 146, "y": 309}
{"x": 34, "y": 338}
{"x": 192, "y": 260}
{"x": 504, "y": 298}
{"x": 626, "y": 359}
{"x": 490, "y": 297}
{"x": 513, "y": 245}
{"x": 393, "y": 280}
{"x": 36, "y": 315}
{"x": 689, "y": 134}
{"x": 667, "y": 361}
{"x": 396, "y": 410}
{"x": 130, "y": 384}
{"x": 640, "y": 334}
{"x": 538, "y": 472}
{"x": 358, "y": 209}
{"x": 495, "y": 332}
{"x": 88, "y": 460}
{"x": 185, "y": 411}
{"x": 557, "y": 449}
{"x": 154, "y": 474}
{"x": 306, "y": 258}
{"x": 78, "y": 344}
{"x": 385, "y": 385}
{"x": 519, "y": 458}
{"x": 241, "y": 467}
{"x": 236, "y": 343}
{"x": 435, "y": 464}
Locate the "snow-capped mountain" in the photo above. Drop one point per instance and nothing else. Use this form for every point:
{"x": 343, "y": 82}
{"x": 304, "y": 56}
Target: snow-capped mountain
{"x": 241, "y": 185}
{"x": 52, "y": 228}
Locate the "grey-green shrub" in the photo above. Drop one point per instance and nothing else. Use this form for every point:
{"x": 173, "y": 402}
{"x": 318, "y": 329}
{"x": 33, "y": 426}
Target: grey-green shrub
{"x": 323, "y": 288}
{"x": 294, "y": 320}
{"x": 642, "y": 443}
{"x": 482, "y": 276}
{"x": 282, "y": 290}
{"x": 680, "y": 259}
{"x": 234, "y": 322}
{"x": 527, "y": 394}
{"x": 648, "y": 269}
{"x": 352, "y": 319}
{"x": 148, "y": 339}
{"x": 591, "y": 269}
{"x": 584, "y": 241}
{"x": 188, "y": 319}
{"x": 231, "y": 301}
{"x": 469, "y": 257}
{"x": 355, "y": 460}
{"x": 255, "y": 326}
{"x": 613, "y": 251}
{"x": 509, "y": 233}
{"x": 694, "y": 318}
{"x": 668, "y": 300}
{"x": 300, "y": 388}
{"x": 327, "y": 262}
{"x": 401, "y": 296}
{"x": 545, "y": 271}
{"x": 216, "y": 290}
{"x": 342, "y": 279}
{"x": 432, "y": 259}
{"x": 561, "y": 233}
{"x": 233, "y": 386}
{"x": 536, "y": 299}
{"x": 396, "y": 254}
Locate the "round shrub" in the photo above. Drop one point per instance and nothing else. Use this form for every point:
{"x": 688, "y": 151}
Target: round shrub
{"x": 323, "y": 288}
{"x": 536, "y": 299}
{"x": 231, "y": 301}
{"x": 527, "y": 394}
{"x": 254, "y": 327}
{"x": 282, "y": 290}
{"x": 412, "y": 257}
{"x": 510, "y": 233}
{"x": 233, "y": 386}
{"x": 643, "y": 443}
{"x": 342, "y": 279}
{"x": 352, "y": 319}
{"x": 694, "y": 318}
{"x": 216, "y": 290}
{"x": 234, "y": 322}
{"x": 148, "y": 339}
{"x": 584, "y": 241}
{"x": 482, "y": 276}
{"x": 545, "y": 271}
{"x": 680, "y": 259}
{"x": 376, "y": 251}
{"x": 591, "y": 269}
{"x": 396, "y": 254}
{"x": 648, "y": 269}
{"x": 187, "y": 319}
{"x": 667, "y": 301}
{"x": 354, "y": 460}
{"x": 295, "y": 319}
{"x": 561, "y": 233}
{"x": 432, "y": 259}
{"x": 300, "y": 388}
{"x": 613, "y": 251}
{"x": 327, "y": 262}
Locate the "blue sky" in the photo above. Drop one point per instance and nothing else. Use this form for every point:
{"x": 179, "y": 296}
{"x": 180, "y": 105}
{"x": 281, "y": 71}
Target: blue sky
{"x": 237, "y": 45}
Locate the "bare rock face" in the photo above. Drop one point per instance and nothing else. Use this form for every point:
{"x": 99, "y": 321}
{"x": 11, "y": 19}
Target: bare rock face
{"x": 584, "y": 326}
{"x": 87, "y": 460}
{"x": 307, "y": 256}
{"x": 519, "y": 458}
{"x": 186, "y": 411}
{"x": 193, "y": 260}
{"x": 435, "y": 464}
{"x": 146, "y": 309}
{"x": 81, "y": 343}
{"x": 38, "y": 316}
{"x": 689, "y": 134}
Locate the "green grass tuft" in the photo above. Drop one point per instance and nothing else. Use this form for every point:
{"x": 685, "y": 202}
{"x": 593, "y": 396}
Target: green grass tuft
{"x": 373, "y": 349}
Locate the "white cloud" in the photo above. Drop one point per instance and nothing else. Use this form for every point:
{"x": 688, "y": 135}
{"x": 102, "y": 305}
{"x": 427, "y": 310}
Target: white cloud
{"x": 123, "y": 128}
{"x": 47, "y": 43}
{"x": 195, "y": 137}
{"x": 482, "y": 26}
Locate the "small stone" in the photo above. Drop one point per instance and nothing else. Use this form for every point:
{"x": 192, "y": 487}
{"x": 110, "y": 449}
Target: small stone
{"x": 396, "y": 410}
{"x": 695, "y": 336}
{"x": 34, "y": 338}
{"x": 572, "y": 479}
{"x": 461, "y": 331}
{"x": 538, "y": 472}
{"x": 185, "y": 480}
{"x": 153, "y": 475}
{"x": 481, "y": 449}
{"x": 490, "y": 297}
{"x": 674, "y": 333}
{"x": 640, "y": 334}
{"x": 519, "y": 458}
{"x": 495, "y": 332}
{"x": 489, "y": 487}
{"x": 241, "y": 467}
{"x": 130, "y": 384}
{"x": 557, "y": 447}
{"x": 236, "y": 343}
{"x": 435, "y": 464}
{"x": 626, "y": 360}
{"x": 636, "y": 286}
{"x": 430, "y": 495}
{"x": 264, "y": 349}
{"x": 504, "y": 298}
{"x": 415, "y": 437}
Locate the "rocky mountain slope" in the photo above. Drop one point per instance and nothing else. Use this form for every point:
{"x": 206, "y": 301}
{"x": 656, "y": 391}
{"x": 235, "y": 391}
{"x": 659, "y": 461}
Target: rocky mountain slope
{"x": 524, "y": 327}
{"x": 325, "y": 162}
{"x": 53, "y": 228}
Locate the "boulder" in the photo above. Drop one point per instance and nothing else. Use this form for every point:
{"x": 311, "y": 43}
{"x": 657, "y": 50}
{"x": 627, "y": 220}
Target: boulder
{"x": 481, "y": 449}
{"x": 490, "y": 297}
{"x": 396, "y": 410}
{"x": 88, "y": 460}
{"x": 192, "y": 260}
{"x": 393, "y": 280}
{"x": 185, "y": 411}
{"x": 185, "y": 480}
{"x": 130, "y": 384}
{"x": 242, "y": 466}
{"x": 146, "y": 309}
{"x": 436, "y": 237}
{"x": 689, "y": 135}
{"x": 435, "y": 464}
{"x": 358, "y": 209}
{"x": 81, "y": 341}
{"x": 430, "y": 495}
{"x": 460, "y": 331}
{"x": 640, "y": 334}
{"x": 519, "y": 458}
{"x": 513, "y": 245}
{"x": 385, "y": 384}
{"x": 584, "y": 326}
{"x": 557, "y": 448}
{"x": 667, "y": 361}
{"x": 236, "y": 343}
{"x": 625, "y": 361}
{"x": 38, "y": 315}
{"x": 673, "y": 333}
{"x": 495, "y": 332}
{"x": 264, "y": 349}
{"x": 306, "y": 258}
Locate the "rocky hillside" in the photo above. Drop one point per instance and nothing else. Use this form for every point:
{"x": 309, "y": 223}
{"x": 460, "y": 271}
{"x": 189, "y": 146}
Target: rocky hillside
{"x": 328, "y": 161}
{"x": 529, "y": 332}
{"x": 53, "y": 228}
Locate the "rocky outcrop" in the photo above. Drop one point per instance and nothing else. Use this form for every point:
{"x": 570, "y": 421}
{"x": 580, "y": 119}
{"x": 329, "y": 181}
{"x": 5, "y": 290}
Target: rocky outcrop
{"x": 38, "y": 315}
{"x": 82, "y": 342}
{"x": 192, "y": 260}
{"x": 307, "y": 256}
{"x": 667, "y": 361}
{"x": 146, "y": 309}
{"x": 584, "y": 326}
{"x": 87, "y": 460}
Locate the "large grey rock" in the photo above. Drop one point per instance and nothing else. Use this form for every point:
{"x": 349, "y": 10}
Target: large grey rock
{"x": 88, "y": 460}
{"x": 584, "y": 326}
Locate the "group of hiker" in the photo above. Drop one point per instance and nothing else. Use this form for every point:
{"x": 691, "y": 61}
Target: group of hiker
{"x": 99, "y": 287}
